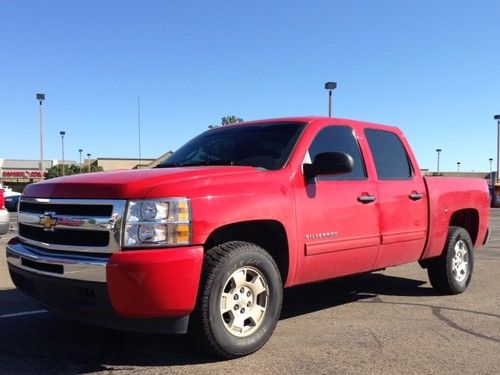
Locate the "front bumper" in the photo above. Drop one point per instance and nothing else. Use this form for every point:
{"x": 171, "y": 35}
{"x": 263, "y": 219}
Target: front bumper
{"x": 128, "y": 290}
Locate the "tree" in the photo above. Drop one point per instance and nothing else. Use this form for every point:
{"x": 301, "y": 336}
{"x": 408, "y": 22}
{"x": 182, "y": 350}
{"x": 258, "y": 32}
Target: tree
{"x": 227, "y": 120}
{"x": 56, "y": 170}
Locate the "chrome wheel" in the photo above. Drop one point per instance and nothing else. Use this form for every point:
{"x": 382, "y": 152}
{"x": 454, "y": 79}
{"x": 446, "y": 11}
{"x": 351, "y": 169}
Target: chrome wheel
{"x": 460, "y": 261}
{"x": 244, "y": 301}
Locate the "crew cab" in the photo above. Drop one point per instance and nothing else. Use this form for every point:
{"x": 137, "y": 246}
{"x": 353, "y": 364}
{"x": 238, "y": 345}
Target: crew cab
{"x": 206, "y": 243}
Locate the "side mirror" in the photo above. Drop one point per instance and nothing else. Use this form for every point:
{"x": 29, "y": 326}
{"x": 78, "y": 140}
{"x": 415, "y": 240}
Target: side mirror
{"x": 329, "y": 163}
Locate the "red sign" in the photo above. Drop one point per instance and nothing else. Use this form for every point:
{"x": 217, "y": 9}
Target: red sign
{"x": 21, "y": 174}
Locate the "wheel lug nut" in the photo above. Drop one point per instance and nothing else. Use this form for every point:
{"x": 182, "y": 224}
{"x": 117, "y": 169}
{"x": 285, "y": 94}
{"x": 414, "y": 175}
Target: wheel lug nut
{"x": 236, "y": 307}
{"x": 249, "y": 294}
{"x": 249, "y": 304}
{"x": 242, "y": 290}
{"x": 236, "y": 297}
{"x": 242, "y": 311}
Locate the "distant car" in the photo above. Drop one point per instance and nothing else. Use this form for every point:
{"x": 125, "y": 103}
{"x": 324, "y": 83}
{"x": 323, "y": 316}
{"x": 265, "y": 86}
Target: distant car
{"x": 12, "y": 202}
{"x": 4, "y": 215}
{"x": 11, "y": 198}
{"x": 491, "y": 190}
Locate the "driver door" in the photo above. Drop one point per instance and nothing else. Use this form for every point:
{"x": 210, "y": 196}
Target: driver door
{"x": 337, "y": 216}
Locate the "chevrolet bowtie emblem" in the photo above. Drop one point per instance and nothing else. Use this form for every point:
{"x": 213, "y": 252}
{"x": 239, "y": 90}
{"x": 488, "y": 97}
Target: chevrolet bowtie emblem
{"x": 47, "y": 221}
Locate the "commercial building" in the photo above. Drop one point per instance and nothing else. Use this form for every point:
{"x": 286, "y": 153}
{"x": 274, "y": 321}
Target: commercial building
{"x": 19, "y": 173}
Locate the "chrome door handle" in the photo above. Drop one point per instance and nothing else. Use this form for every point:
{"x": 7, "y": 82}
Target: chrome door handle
{"x": 366, "y": 199}
{"x": 416, "y": 196}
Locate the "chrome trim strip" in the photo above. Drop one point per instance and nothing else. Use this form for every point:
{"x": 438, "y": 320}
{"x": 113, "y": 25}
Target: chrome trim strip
{"x": 74, "y": 267}
{"x": 99, "y": 223}
{"x": 82, "y": 249}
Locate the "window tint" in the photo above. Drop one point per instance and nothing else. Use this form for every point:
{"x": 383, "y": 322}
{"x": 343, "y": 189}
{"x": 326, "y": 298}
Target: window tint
{"x": 339, "y": 139}
{"x": 264, "y": 145}
{"x": 391, "y": 159}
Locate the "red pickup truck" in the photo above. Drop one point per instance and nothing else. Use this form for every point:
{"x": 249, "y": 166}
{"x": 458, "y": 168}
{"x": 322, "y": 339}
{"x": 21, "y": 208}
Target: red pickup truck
{"x": 206, "y": 242}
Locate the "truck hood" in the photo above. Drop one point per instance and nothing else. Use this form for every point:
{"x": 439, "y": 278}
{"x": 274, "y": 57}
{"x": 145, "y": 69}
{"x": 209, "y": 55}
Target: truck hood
{"x": 131, "y": 184}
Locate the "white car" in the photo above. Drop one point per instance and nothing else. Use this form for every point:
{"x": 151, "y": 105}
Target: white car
{"x": 4, "y": 215}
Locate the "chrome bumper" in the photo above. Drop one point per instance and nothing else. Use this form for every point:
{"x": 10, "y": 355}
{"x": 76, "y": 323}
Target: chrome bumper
{"x": 73, "y": 267}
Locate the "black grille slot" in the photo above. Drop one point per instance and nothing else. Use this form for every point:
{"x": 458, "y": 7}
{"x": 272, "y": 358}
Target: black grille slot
{"x": 65, "y": 236}
{"x": 67, "y": 209}
{"x": 54, "y": 268}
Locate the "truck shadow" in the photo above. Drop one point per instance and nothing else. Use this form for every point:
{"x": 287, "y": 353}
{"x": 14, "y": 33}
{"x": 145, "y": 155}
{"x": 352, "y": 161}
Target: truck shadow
{"x": 49, "y": 344}
{"x": 309, "y": 298}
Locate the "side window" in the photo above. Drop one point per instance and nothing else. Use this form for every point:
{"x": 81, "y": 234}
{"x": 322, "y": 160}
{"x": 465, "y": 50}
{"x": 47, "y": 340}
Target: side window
{"x": 339, "y": 139}
{"x": 389, "y": 154}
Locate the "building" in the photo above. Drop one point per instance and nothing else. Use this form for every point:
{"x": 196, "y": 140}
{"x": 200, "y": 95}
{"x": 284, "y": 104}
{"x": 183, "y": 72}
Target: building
{"x": 19, "y": 173}
{"x": 112, "y": 164}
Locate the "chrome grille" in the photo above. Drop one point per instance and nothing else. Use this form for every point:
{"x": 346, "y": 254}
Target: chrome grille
{"x": 72, "y": 225}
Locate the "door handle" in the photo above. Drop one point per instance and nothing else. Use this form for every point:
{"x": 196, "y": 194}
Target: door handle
{"x": 416, "y": 196}
{"x": 366, "y": 198}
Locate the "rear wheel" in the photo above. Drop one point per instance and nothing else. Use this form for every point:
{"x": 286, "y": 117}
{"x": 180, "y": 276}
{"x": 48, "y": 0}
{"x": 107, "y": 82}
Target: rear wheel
{"x": 452, "y": 271}
{"x": 240, "y": 300}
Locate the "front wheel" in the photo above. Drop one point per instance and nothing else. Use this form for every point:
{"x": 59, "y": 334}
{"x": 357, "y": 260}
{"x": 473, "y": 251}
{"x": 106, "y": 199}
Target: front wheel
{"x": 240, "y": 300}
{"x": 452, "y": 271}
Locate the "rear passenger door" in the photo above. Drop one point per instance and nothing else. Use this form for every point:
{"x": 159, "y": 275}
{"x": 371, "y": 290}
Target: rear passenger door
{"x": 402, "y": 199}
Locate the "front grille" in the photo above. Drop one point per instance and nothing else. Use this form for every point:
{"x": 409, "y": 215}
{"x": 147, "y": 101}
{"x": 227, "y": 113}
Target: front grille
{"x": 64, "y": 236}
{"x": 71, "y": 225}
{"x": 67, "y": 209}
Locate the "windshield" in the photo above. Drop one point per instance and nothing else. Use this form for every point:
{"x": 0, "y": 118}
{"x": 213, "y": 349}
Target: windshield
{"x": 266, "y": 146}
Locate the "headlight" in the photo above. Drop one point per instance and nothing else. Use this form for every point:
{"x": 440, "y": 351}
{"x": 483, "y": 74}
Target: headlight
{"x": 162, "y": 222}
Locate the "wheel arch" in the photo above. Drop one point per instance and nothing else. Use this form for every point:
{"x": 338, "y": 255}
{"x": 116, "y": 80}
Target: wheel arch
{"x": 467, "y": 219}
{"x": 268, "y": 234}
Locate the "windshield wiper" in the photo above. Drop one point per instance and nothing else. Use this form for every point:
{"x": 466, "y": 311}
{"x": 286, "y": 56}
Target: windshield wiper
{"x": 167, "y": 165}
{"x": 197, "y": 163}
{"x": 207, "y": 162}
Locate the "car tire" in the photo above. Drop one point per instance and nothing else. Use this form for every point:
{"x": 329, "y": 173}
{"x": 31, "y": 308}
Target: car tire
{"x": 240, "y": 300}
{"x": 451, "y": 273}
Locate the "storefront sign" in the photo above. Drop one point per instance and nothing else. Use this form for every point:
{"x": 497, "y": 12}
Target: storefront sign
{"x": 21, "y": 174}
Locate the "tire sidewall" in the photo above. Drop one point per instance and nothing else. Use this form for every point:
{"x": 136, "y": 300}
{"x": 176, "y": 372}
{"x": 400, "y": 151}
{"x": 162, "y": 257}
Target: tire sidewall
{"x": 457, "y": 235}
{"x": 265, "y": 265}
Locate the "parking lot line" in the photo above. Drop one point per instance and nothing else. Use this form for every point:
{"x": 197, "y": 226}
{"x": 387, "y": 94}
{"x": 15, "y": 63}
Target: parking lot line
{"x": 23, "y": 314}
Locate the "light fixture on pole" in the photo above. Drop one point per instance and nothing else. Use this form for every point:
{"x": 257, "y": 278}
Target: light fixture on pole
{"x": 491, "y": 173}
{"x": 330, "y": 86}
{"x": 80, "y": 151}
{"x": 62, "y": 133}
{"x": 458, "y": 167}
{"x": 497, "y": 117}
{"x": 88, "y": 158}
{"x": 438, "y": 150}
{"x": 41, "y": 98}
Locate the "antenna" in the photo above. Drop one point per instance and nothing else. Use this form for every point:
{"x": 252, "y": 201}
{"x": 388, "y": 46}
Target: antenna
{"x": 139, "y": 127}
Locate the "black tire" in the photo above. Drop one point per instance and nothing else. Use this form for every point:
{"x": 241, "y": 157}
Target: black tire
{"x": 240, "y": 300}
{"x": 451, "y": 272}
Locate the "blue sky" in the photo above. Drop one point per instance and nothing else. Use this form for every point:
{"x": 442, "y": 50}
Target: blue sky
{"x": 429, "y": 67}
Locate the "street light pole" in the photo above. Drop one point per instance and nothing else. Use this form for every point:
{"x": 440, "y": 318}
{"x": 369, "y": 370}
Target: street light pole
{"x": 330, "y": 86}
{"x": 458, "y": 168}
{"x": 41, "y": 98}
{"x": 497, "y": 117}
{"x": 80, "y": 151}
{"x": 88, "y": 158}
{"x": 491, "y": 173}
{"x": 438, "y": 150}
{"x": 62, "y": 133}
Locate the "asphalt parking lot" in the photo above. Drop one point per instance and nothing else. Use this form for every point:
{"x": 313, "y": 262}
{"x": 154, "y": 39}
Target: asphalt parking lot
{"x": 387, "y": 322}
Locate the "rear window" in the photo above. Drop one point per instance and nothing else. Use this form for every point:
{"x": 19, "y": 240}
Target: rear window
{"x": 391, "y": 160}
